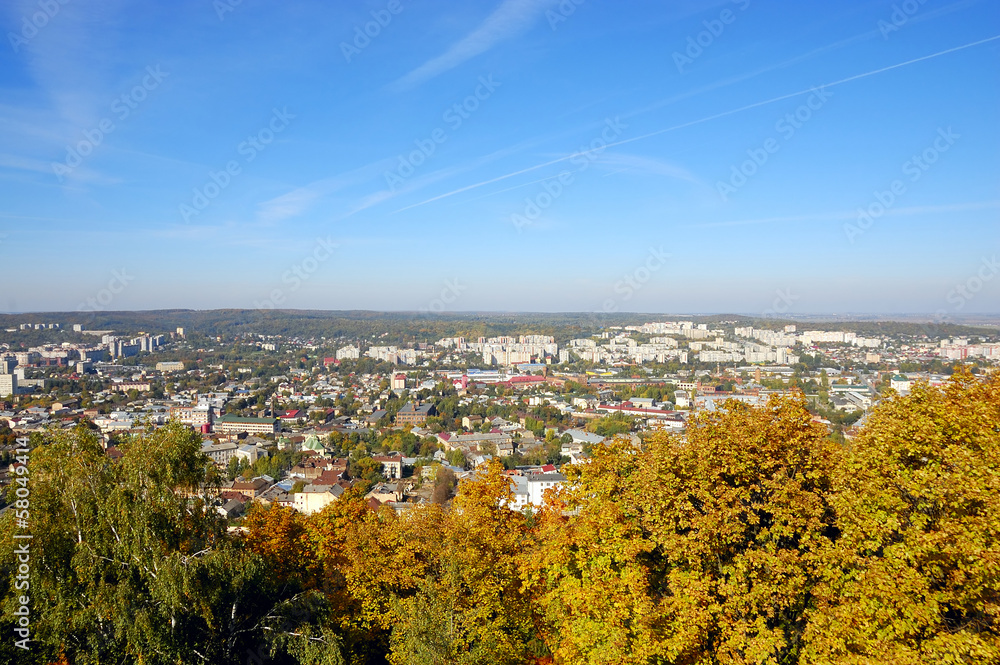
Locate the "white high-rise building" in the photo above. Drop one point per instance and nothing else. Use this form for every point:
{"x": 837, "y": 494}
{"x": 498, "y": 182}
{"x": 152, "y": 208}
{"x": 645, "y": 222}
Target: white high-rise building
{"x": 8, "y": 385}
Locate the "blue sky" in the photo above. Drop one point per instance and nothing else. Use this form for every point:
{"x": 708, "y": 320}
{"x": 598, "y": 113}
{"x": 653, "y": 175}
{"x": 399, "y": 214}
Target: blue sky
{"x": 524, "y": 155}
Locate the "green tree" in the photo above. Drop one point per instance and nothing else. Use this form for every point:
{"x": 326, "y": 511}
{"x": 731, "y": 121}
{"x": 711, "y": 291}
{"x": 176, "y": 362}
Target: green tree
{"x": 129, "y": 566}
{"x": 456, "y": 458}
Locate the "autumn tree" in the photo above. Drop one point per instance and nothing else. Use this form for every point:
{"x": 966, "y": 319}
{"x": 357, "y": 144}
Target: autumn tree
{"x": 470, "y": 606}
{"x": 696, "y": 549}
{"x": 364, "y": 561}
{"x": 444, "y": 485}
{"x": 916, "y": 575}
{"x": 278, "y": 534}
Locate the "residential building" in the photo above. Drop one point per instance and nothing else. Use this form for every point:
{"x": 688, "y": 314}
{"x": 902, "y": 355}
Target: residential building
{"x": 251, "y": 488}
{"x": 8, "y": 385}
{"x": 250, "y": 453}
{"x": 314, "y": 498}
{"x": 228, "y": 423}
{"x": 220, "y": 453}
{"x": 415, "y": 413}
{"x": 392, "y": 465}
{"x": 529, "y": 490}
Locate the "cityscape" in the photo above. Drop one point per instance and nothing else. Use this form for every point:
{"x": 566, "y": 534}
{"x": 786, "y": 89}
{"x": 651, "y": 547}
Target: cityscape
{"x": 506, "y": 332}
{"x": 398, "y": 415}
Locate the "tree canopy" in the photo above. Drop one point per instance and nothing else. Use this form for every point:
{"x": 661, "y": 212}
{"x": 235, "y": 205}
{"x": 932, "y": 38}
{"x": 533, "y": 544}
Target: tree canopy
{"x": 751, "y": 538}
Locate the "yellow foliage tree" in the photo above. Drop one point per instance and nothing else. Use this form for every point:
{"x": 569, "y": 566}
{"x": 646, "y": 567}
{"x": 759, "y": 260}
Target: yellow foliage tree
{"x": 696, "y": 549}
{"x": 916, "y": 575}
{"x": 470, "y": 606}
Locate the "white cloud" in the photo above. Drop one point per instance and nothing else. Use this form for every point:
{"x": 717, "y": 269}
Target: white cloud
{"x": 509, "y": 19}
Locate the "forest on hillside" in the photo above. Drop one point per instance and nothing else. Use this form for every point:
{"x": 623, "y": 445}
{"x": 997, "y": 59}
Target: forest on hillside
{"x": 409, "y": 327}
{"x": 753, "y": 538}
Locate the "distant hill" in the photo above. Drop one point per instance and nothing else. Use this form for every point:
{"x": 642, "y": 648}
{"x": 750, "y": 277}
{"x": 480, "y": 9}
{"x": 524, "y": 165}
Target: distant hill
{"x": 396, "y": 327}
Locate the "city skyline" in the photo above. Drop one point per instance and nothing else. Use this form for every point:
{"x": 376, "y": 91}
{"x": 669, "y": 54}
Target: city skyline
{"x": 522, "y": 155}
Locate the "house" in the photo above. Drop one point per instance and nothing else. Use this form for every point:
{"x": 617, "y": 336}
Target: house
{"x": 569, "y": 449}
{"x": 415, "y": 413}
{"x": 220, "y": 453}
{"x": 309, "y": 468}
{"x": 529, "y": 489}
{"x": 312, "y": 444}
{"x": 276, "y": 496}
{"x": 580, "y": 436}
{"x": 451, "y": 441}
{"x": 250, "y": 488}
{"x": 231, "y": 508}
{"x": 329, "y": 477}
{"x": 386, "y": 492}
{"x": 392, "y": 465}
{"x": 472, "y": 422}
{"x": 314, "y": 498}
{"x": 375, "y": 416}
{"x": 900, "y": 383}
{"x": 398, "y": 382}
{"x": 250, "y": 453}
{"x": 477, "y": 461}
